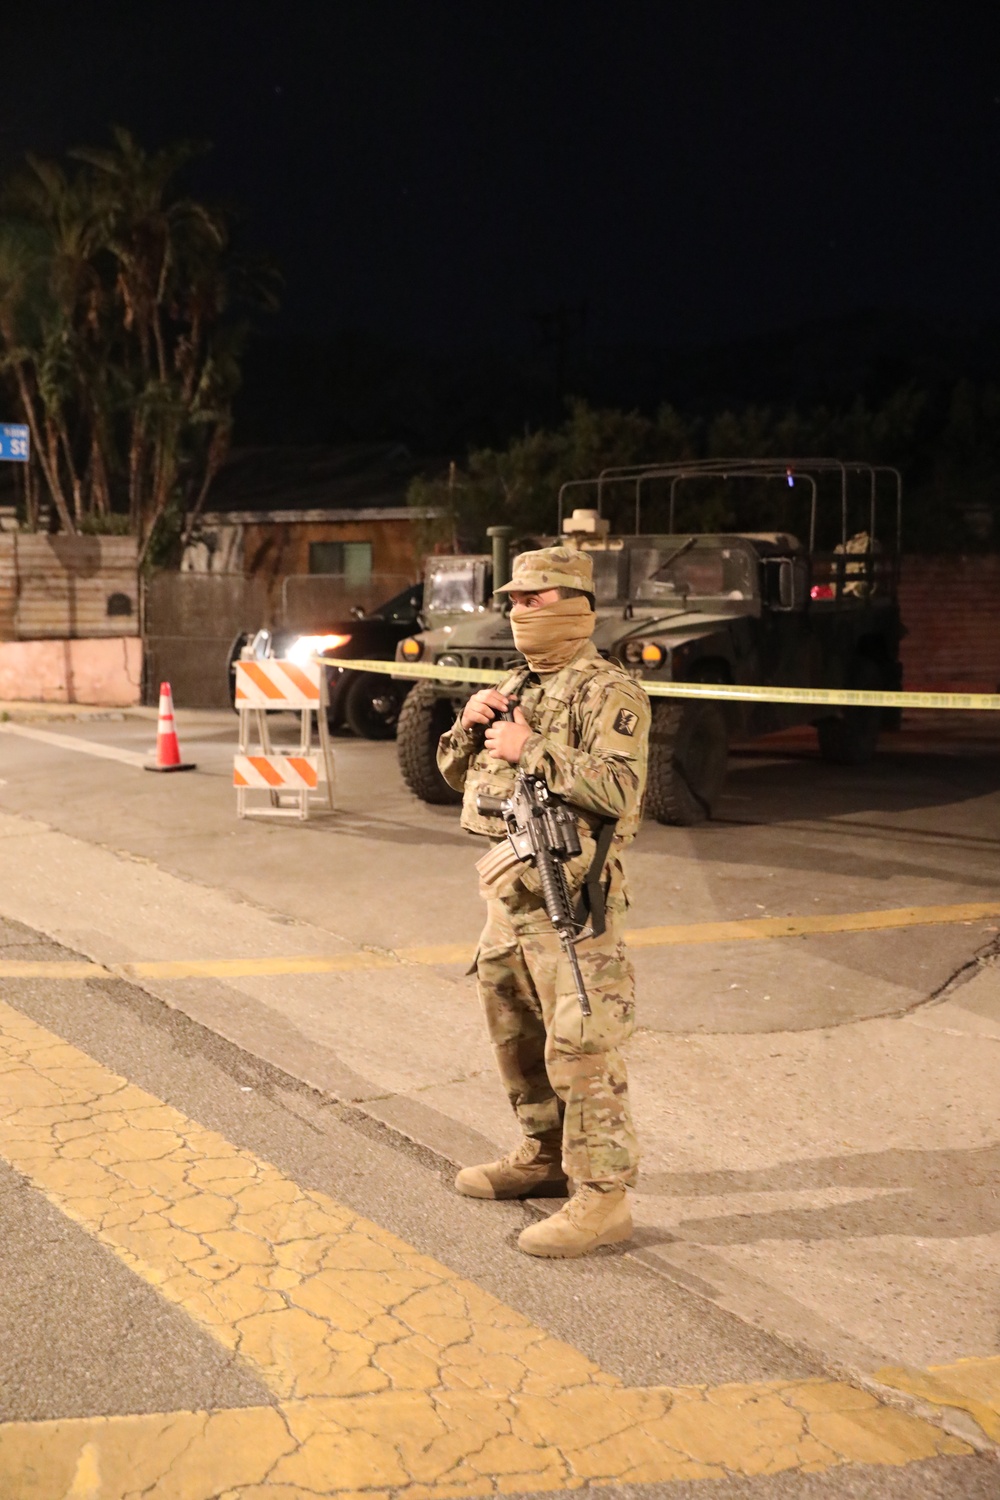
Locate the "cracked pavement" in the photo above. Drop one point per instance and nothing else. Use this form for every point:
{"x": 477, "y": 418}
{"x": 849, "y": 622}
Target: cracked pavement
{"x": 389, "y": 1369}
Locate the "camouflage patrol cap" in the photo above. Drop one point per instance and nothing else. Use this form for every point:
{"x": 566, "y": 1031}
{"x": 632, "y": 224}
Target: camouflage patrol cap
{"x": 551, "y": 568}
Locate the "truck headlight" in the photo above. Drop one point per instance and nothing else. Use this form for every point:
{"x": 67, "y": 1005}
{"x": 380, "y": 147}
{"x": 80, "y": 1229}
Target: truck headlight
{"x": 652, "y": 654}
{"x": 411, "y": 649}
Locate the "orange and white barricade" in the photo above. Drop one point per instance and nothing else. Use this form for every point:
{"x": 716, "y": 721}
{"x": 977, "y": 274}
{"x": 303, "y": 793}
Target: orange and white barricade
{"x": 291, "y": 779}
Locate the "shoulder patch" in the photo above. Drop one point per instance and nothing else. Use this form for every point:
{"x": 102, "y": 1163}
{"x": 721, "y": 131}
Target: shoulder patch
{"x": 625, "y": 722}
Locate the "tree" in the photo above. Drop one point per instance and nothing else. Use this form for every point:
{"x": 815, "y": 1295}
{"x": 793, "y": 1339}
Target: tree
{"x": 123, "y": 315}
{"x": 519, "y": 485}
{"x": 948, "y": 449}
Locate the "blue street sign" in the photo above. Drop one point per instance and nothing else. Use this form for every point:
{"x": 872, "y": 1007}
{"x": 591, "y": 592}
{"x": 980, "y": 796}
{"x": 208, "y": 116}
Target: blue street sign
{"x": 15, "y": 443}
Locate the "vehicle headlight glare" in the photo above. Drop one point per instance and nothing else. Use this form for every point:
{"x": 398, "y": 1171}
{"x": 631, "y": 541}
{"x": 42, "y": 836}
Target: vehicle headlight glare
{"x": 304, "y": 647}
{"x": 411, "y": 649}
{"x": 652, "y": 654}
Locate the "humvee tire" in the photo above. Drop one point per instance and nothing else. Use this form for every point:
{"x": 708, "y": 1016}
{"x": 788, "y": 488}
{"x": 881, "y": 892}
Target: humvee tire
{"x": 423, "y": 719}
{"x": 688, "y": 746}
{"x": 851, "y": 740}
{"x": 372, "y": 705}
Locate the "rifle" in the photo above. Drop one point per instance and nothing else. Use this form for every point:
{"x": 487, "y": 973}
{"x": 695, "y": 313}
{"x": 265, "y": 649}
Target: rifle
{"x": 542, "y": 830}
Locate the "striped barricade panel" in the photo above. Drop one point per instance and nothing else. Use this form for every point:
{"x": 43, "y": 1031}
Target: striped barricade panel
{"x": 274, "y": 773}
{"x": 278, "y": 684}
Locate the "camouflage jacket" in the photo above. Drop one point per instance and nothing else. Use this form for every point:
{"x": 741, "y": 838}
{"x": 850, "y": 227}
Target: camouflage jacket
{"x": 590, "y": 740}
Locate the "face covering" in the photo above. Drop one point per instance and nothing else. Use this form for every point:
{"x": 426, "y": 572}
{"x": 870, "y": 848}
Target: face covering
{"x": 550, "y": 634}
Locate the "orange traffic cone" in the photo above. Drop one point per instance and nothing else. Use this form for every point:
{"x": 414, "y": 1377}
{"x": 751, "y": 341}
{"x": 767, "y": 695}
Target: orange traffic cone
{"x": 168, "y": 751}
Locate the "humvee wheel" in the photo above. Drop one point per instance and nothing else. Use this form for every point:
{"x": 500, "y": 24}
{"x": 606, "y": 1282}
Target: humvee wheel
{"x": 851, "y": 740}
{"x": 423, "y": 719}
{"x": 372, "y": 704}
{"x": 688, "y": 745}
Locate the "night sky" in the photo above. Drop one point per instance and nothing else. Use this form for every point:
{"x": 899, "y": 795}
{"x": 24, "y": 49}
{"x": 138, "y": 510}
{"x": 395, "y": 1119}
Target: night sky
{"x": 434, "y": 173}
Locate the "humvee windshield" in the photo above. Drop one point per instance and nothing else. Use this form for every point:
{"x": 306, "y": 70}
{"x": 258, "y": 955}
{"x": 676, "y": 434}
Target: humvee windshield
{"x": 699, "y": 573}
{"x": 453, "y": 588}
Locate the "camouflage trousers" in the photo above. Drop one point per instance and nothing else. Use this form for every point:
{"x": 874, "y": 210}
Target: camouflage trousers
{"x": 559, "y": 1067}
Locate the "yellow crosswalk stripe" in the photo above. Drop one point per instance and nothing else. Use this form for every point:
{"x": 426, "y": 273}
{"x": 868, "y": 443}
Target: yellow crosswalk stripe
{"x": 390, "y": 1371}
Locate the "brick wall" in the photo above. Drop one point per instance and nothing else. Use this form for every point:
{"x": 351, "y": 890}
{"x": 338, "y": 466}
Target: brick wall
{"x": 951, "y": 610}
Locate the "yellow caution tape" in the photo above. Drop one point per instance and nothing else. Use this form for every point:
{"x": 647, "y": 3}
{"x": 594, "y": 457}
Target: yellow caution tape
{"x": 718, "y": 691}
{"x": 838, "y": 697}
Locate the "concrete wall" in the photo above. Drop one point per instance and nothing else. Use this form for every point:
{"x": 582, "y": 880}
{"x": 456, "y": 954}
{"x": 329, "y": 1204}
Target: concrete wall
{"x": 107, "y": 672}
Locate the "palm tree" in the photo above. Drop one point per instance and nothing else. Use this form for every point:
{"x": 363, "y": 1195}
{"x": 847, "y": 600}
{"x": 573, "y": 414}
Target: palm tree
{"x": 121, "y": 328}
{"x": 175, "y": 275}
{"x": 49, "y": 296}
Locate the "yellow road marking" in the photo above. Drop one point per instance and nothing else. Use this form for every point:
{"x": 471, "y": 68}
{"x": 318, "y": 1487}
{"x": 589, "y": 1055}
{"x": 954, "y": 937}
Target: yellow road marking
{"x": 51, "y": 968}
{"x": 681, "y": 935}
{"x": 225, "y": 968}
{"x": 971, "y": 1385}
{"x": 388, "y": 1368}
{"x": 779, "y": 927}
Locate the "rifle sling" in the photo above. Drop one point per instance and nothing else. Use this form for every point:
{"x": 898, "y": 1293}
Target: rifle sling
{"x": 591, "y": 900}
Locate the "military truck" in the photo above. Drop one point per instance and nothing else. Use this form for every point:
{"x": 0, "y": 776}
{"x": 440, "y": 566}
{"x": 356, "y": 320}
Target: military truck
{"x": 740, "y": 606}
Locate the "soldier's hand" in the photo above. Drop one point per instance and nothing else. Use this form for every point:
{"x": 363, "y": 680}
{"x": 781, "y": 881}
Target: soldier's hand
{"x": 483, "y": 707}
{"x": 505, "y": 741}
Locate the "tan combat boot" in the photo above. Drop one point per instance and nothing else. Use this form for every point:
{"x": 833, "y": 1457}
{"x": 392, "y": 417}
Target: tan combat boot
{"x": 590, "y": 1219}
{"x": 532, "y": 1170}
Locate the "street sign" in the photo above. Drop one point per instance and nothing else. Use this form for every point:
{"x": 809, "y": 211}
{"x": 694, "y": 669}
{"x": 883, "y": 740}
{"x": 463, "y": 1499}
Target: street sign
{"x": 14, "y": 442}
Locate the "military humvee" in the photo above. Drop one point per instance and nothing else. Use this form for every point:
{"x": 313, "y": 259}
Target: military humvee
{"x": 741, "y": 606}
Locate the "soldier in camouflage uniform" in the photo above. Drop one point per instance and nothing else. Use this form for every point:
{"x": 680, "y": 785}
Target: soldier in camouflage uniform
{"x": 583, "y": 725}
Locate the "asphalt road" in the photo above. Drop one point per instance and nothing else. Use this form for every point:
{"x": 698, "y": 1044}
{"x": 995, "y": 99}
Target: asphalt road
{"x": 872, "y": 1179}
